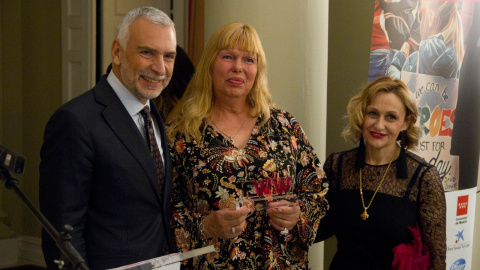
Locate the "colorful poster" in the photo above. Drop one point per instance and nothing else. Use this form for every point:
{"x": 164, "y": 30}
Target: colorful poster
{"x": 434, "y": 47}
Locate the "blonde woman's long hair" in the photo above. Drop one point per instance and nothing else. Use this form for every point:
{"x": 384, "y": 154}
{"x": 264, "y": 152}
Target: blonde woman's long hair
{"x": 196, "y": 105}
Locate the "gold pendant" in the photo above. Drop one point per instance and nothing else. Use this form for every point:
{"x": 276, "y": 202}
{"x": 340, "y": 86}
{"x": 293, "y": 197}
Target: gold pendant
{"x": 364, "y": 215}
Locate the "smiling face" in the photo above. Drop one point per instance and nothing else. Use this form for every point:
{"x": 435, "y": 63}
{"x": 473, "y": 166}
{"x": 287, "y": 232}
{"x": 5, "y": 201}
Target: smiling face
{"x": 384, "y": 119}
{"x": 233, "y": 73}
{"x": 145, "y": 66}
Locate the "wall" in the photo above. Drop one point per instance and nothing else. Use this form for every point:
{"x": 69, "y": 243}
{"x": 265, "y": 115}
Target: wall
{"x": 42, "y": 84}
{"x": 350, "y": 29}
{"x": 12, "y": 116}
{"x": 31, "y": 89}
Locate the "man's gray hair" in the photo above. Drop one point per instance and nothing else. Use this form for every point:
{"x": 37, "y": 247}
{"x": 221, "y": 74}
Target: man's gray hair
{"x": 151, "y": 14}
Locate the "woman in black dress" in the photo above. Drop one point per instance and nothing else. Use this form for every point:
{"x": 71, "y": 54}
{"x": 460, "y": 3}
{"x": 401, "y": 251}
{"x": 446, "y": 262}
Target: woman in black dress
{"x": 385, "y": 201}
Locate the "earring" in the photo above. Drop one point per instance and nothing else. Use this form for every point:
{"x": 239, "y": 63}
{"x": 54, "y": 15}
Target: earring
{"x": 402, "y": 158}
{"x": 360, "y": 162}
{"x": 403, "y": 139}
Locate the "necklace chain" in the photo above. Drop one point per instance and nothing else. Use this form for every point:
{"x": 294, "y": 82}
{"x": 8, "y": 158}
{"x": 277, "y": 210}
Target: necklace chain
{"x": 365, "y": 215}
{"x": 230, "y": 138}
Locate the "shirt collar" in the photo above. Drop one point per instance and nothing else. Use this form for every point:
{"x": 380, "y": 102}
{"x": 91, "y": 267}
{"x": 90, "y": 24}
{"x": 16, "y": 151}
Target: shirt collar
{"x": 131, "y": 103}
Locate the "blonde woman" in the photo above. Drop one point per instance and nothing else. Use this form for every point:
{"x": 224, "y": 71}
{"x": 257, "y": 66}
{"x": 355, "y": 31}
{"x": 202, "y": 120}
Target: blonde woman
{"x": 226, "y": 134}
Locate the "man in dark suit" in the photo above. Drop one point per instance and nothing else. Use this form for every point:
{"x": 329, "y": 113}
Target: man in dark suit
{"x": 101, "y": 171}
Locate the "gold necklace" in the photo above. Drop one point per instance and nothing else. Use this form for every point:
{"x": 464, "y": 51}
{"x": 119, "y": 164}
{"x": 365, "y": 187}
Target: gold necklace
{"x": 230, "y": 138}
{"x": 365, "y": 215}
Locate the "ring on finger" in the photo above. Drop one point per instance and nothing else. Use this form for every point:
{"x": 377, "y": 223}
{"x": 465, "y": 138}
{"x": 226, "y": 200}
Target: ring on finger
{"x": 233, "y": 230}
{"x": 284, "y": 231}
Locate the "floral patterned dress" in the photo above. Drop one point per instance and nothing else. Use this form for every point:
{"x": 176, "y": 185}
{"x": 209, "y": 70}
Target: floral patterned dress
{"x": 212, "y": 174}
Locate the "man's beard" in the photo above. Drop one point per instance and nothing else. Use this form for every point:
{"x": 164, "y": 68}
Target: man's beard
{"x": 129, "y": 79}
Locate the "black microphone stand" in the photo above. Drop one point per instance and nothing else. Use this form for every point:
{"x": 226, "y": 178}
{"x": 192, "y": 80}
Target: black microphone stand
{"x": 70, "y": 256}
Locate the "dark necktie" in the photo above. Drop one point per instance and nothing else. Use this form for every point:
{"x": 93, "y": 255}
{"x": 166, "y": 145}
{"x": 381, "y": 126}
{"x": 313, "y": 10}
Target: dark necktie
{"x": 152, "y": 145}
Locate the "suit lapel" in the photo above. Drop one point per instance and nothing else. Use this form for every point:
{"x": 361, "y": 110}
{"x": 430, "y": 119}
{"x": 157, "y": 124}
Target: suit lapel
{"x": 123, "y": 126}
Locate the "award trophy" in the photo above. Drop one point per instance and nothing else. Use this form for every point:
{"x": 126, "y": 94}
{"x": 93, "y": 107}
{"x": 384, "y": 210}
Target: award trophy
{"x": 258, "y": 193}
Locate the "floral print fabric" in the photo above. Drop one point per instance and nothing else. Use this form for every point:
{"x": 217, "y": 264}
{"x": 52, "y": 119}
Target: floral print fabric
{"x": 213, "y": 174}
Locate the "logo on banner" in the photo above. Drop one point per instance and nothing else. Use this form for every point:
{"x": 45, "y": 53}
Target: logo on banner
{"x": 458, "y": 265}
{"x": 459, "y": 236}
{"x": 462, "y": 209}
{"x": 462, "y": 205}
{"x": 459, "y": 242}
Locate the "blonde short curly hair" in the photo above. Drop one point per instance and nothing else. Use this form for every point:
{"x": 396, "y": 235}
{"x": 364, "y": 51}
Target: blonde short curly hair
{"x": 358, "y": 104}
